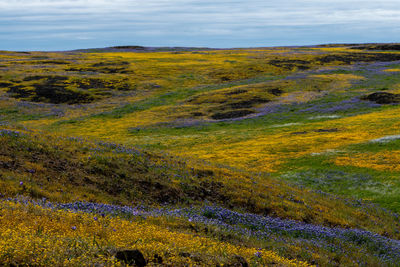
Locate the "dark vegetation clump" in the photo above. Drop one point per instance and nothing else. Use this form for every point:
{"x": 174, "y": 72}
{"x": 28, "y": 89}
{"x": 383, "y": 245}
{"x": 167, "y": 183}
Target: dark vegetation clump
{"x": 234, "y": 102}
{"x": 53, "y": 62}
{"x": 291, "y": 64}
{"x": 51, "y": 89}
{"x": 106, "y": 70}
{"x": 237, "y": 107}
{"x": 275, "y": 91}
{"x": 349, "y": 58}
{"x": 237, "y": 261}
{"x": 41, "y": 77}
{"x": 197, "y": 114}
{"x": 34, "y": 61}
{"x": 99, "y": 83}
{"x": 383, "y": 47}
{"x": 59, "y": 89}
{"x": 383, "y": 98}
{"x": 133, "y": 47}
{"x": 248, "y": 103}
{"x": 105, "y": 67}
{"x": 132, "y": 257}
{"x": 231, "y": 114}
{"x": 4, "y": 84}
{"x": 330, "y": 130}
{"x": 236, "y": 92}
{"x": 110, "y": 63}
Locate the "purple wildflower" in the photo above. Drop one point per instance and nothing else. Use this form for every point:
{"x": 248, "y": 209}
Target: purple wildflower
{"x": 258, "y": 254}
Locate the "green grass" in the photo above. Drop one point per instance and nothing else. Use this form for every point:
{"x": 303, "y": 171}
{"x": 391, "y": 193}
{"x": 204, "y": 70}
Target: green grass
{"x": 317, "y": 172}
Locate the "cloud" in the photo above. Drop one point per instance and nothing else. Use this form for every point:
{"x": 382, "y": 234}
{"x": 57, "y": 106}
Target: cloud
{"x": 188, "y": 22}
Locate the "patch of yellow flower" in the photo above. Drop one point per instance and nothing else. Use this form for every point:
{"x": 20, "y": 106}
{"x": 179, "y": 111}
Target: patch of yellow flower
{"x": 338, "y": 77}
{"x": 335, "y": 82}
{"x": 265, "y": 151}
{"x": 31, "y": 235}
{"x": 255, "y": 150}
{"x": 392, "y": 70}
{"x": 381, "y": 161}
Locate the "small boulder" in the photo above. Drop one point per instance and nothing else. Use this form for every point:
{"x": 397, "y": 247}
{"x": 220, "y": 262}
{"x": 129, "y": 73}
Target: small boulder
{"x": 131, "y": 257}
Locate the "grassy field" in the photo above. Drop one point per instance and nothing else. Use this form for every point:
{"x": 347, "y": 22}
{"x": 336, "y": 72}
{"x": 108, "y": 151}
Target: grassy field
{"x": 284, "y": 156}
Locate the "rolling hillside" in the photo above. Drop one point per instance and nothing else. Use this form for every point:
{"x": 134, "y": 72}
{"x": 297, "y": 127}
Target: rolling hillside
{"x": 281, "y": 156}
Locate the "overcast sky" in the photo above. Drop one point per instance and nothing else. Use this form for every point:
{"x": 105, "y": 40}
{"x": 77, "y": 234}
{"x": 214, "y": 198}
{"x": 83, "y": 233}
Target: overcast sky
{"x": 72, "y": 24}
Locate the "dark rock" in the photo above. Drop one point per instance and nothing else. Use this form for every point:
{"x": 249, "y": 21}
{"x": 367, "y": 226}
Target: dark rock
{"x": 158, "y": 259}
{"x": 131, "y": 257}
{"x": 383, "y": 98}
{"x": 237, "y": 261}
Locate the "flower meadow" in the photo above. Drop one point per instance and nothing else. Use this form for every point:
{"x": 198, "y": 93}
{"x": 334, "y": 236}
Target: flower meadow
{"x": 103, "y": 228}
{"x": 41, "y": 236}
{"x": 283, "y": 156}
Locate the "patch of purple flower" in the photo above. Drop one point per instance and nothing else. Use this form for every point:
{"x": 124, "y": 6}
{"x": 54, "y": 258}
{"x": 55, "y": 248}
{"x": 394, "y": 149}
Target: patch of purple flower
{"x": 258, "y": 254}
{"x": 10, "y": 133}
{"x": 352, "y": 104}
{"x": 284, "y": 232}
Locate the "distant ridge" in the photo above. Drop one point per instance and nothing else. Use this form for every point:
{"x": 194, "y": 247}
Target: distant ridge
{"x": 137, "y": 48}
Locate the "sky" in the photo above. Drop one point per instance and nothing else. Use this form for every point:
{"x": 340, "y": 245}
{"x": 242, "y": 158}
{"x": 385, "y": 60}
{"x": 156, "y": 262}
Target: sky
{"x": 51, "y": 25}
